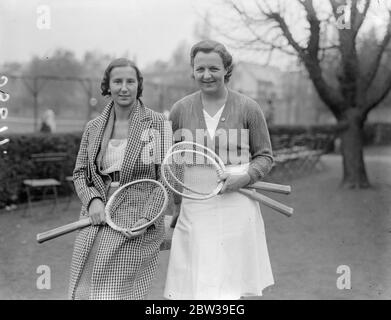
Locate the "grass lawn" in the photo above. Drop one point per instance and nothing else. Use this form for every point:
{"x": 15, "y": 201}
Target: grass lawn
{"x": 330, "y": 228}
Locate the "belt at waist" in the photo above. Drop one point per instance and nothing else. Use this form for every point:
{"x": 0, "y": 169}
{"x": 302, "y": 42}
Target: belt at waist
{"x": 115, "y": 176}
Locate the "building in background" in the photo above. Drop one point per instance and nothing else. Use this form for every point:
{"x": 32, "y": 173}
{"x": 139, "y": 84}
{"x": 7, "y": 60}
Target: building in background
{"x": 260, "y": 83}
{"x": 163, "y": 88}
{"x": 286, "y": 97}
{"x": 300, "y": 101}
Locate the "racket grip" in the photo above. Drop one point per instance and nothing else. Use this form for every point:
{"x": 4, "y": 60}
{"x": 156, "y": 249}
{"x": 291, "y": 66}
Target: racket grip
{"x": 278, "y": 206}
{"x": 272, "y": 187}
{"x": 57, "y": 232}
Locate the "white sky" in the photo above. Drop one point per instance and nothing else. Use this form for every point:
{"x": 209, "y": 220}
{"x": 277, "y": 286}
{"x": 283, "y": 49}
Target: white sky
{"x": 147, "y": 29}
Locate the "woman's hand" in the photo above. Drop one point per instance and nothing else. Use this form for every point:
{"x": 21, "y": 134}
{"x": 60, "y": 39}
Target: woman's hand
{"x": 233, "y": 182}
{"x": 96, "y": 211}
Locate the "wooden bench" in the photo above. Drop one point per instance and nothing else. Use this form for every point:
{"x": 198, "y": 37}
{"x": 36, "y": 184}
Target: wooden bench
{"x": 49, "y": 182}
{"x": 290, "y": 160}
{"x": 69, "y": 181}
{"x": 301, "y": 153}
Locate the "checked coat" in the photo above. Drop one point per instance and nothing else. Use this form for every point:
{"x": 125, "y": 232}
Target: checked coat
{"x": 123, "y": 268}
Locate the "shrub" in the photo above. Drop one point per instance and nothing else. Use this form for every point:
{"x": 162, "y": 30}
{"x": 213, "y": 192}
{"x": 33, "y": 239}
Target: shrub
{"x": 16, "y": 165}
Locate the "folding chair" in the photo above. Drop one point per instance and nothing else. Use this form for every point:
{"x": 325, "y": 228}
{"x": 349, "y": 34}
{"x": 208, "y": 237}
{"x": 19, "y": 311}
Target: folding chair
{"x": 44, "y": 183}
{"x": 69, "y": 181}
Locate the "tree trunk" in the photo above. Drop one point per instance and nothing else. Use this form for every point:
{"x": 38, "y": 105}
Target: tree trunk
{"x": 354, "y": 172}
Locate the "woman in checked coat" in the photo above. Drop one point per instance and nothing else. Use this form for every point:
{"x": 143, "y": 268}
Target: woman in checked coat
{"x": 115, "y": 149}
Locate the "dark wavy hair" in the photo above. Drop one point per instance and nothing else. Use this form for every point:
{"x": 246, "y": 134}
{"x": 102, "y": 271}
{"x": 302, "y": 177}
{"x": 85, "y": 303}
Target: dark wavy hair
{"x": 208, "y": 46}
{"x": 120, "y": 62}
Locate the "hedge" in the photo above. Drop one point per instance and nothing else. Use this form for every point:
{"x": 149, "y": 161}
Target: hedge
{"x": 377, "y": 133}
{"x": 374, "y": 133}
{"x": 16, "y": 165}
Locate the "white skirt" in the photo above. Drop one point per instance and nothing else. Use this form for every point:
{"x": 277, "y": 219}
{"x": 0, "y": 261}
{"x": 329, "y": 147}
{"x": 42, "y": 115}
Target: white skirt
{"x": 218, "y": 250}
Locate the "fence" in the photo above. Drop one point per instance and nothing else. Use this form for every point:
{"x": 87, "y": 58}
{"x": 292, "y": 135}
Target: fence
{"x": 75, "y": 100}
{"x": 26, "y": 125}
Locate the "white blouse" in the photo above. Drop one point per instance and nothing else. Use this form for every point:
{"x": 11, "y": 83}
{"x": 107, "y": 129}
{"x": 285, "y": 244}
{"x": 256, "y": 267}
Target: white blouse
{"x": 212, "y": 122}
{"x": 114, "y": 155}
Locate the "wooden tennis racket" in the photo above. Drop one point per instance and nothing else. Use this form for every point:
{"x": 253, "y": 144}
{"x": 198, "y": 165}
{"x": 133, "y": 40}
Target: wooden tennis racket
{"x": 147, "y": 197}
{"x": 259, "y": 185}
{"x": 193, "y": 170}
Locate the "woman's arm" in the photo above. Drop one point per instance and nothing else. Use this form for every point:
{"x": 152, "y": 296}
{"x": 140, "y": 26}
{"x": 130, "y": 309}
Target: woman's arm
{"x": 84, "y": 192}
{"x": 259, "y": 140}
{"x": 175, "y": 120}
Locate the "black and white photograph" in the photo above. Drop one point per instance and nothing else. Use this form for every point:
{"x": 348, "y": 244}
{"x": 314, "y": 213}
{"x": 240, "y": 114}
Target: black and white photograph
{"x": 185, "y": 150}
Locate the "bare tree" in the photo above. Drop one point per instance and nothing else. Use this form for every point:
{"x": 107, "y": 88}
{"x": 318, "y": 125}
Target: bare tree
{"x": 354, "y": 91}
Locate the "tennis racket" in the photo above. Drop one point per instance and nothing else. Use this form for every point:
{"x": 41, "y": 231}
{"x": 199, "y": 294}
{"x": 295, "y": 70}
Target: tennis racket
{"x": 147, "y": 198}
{"x": 193, "y": 170}
{"x": 259, "y": 185}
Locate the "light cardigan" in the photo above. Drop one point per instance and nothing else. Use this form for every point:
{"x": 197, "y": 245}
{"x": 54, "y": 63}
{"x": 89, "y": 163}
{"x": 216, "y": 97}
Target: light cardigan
{"x": 240, "y": 113}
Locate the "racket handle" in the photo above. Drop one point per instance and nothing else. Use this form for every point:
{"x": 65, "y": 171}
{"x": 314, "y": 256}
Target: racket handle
{"x": 54, "y": 233}
{"x": 272, "y": 187}
{"x": 278, "y": 206}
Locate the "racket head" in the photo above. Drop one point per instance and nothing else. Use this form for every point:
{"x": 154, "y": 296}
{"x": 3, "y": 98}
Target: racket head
{"x": 144, "y": 197}
{"x": 190, "y": 145}
{"x": 191, "y": 173}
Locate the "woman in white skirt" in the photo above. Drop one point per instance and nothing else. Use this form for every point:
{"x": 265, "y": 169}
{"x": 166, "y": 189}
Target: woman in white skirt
{"x": 219, "y": 248}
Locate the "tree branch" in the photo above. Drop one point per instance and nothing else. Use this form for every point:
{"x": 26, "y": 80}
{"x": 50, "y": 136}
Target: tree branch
{"x": 312, "y": 62}
{"x": 275, "y": 16}
{"x": 247, "y": 22}
{"x": 358, "y": 17}
{"x": 335, "y": 4}
{"x": 378, "y": 98}
{"x": 374, "y": 67}
{"x": 348, "y": 79}
{"x": 313, "y": 41}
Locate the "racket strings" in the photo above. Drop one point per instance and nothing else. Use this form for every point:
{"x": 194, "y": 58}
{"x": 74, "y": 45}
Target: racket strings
{"x": 143, "y": 199}
{"x": 190, "y": 171}
{"x": 196, "y": 150}
{"x": 154, "y": 203}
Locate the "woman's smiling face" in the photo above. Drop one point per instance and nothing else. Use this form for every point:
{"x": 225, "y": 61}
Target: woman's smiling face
{"x": 209, "y": 71}
{"x": 123, "y": 85}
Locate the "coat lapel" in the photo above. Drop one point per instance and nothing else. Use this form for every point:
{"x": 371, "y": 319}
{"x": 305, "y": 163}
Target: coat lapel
{"x": 139, "y": 124}
{"x": 96, "y": 134}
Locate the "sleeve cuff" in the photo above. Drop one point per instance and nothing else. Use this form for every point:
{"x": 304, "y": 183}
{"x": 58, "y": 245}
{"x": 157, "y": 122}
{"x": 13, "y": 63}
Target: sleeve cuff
{"x": 254, "y": 174}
